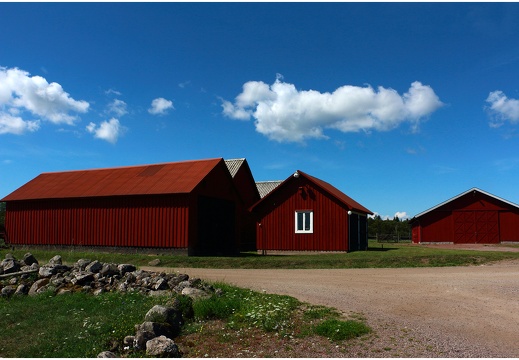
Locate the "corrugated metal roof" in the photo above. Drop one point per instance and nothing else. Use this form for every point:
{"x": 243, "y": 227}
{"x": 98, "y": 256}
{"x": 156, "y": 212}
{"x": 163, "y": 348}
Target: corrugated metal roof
{"x": 166, "y": 178}
{"x": 265, "y": 187}
{"x": 234, "y": 165}
{"x": 461, "y": 195}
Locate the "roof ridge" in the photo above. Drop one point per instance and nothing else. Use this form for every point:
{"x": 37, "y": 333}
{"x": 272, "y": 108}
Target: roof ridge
{"x": 462, "y": 194}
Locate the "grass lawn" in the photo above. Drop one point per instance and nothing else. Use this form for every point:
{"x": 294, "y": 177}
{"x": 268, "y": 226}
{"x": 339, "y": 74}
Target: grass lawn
{"x": 392, "y": 255}
{"x": 82, "y": 325}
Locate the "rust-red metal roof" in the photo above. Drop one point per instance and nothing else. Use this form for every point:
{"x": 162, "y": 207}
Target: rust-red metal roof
{"x": 339, "y": 195}
{"x": 165, "y": 178}
{"x": 326, "y": 187}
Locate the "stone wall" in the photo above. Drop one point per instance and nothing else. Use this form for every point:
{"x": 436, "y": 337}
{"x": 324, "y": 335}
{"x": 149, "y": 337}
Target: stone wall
{"x": 161, "y": 324}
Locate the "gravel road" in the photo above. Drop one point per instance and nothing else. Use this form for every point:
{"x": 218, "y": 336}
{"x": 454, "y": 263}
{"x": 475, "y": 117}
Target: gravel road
{"x": 452, "y": 311}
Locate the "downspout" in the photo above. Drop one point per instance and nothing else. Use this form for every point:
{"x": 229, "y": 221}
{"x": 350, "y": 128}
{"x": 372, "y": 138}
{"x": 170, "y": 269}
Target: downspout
{"x": 349, "y": 230}
{"x": 358, "y": 231}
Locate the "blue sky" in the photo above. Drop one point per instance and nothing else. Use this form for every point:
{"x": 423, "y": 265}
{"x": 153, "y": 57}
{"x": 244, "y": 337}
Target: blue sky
{"x": 401, "y": 106}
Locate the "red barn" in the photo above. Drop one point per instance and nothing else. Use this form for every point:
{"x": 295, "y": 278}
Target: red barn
{"x": 473, "y": 217}
{"x": 184, "y": 205}
{"x": 304, "y": 213}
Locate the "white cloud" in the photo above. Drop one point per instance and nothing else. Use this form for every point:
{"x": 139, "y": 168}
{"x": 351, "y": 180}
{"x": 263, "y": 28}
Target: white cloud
{"x": 107, "y": 130}
{"x": 16, "y": 125}
{"x": 502, "y": 108}
{"x": 402, "y": 215}
{"x": 284, "y": 113}
{"x": 117, "y": 107}
{"x": 21, "y": 92}
{"x": 112, "y": 91}
{"x": 160, "y": 106}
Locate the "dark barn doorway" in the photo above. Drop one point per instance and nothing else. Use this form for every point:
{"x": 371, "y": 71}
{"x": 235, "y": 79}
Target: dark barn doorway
{"x": 358, "y": 234}
{"x": 216, "y": 227}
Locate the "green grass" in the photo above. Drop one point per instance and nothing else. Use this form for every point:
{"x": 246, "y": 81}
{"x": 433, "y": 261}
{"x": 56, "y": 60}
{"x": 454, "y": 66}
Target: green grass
{"x": 387, "y": 256}
{"x": 338, "y": 330}
{"x": 243, "y": 308}
{"x": 68, "y": 326}
{"x": 82, "y": 325}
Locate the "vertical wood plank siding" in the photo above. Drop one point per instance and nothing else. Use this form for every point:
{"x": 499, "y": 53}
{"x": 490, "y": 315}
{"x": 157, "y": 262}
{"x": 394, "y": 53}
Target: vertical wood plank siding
{"x": 137, "y": 221}
{"x": 277, "y": 229}
{"x": 462, "y": 221}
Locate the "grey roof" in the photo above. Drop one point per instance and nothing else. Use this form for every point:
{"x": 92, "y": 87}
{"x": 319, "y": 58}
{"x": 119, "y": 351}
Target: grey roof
{"x": 265, "y": 187}
{"x": 234, "y": 165}
{"x": 462, "y": 194}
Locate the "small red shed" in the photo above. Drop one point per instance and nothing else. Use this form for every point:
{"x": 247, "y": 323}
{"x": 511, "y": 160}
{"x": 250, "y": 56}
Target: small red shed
{"x": 472, "y": 217}
{"x": 185, "y": 205}
{"x": 304, "y": 213}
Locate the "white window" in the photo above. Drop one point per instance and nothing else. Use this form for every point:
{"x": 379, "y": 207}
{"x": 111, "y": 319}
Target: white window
{"x": 304, "y": 221}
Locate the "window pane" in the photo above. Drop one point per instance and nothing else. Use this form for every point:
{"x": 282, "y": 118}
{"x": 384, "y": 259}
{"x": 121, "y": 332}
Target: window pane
{"x": 300, "y": 217}
{"x": 307, "y": 221}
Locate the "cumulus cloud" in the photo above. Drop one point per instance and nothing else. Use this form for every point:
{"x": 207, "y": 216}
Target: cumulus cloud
{"x": 117, "y": 107}
{"x": 284, "y": 113}
{"x": 107, "y": 130}
{"x": 402, "y": 215}
{"x": 20, "y": 93}
{"x": 160, "y": 106}
{"x": 16, "y": 125}
{"x": 502, "y": 108}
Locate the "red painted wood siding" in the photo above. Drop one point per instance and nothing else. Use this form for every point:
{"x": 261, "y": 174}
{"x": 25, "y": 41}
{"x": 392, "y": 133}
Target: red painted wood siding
{"x": 509, "y": 225}
{"x": 133, "y": 220}
{"x": 276, "y": 228}
{"x": 473, "y": 218}
{"x": 138, "y": 221}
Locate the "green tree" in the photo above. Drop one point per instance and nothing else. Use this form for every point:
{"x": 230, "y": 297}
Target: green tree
{"x": 395, "y": 227}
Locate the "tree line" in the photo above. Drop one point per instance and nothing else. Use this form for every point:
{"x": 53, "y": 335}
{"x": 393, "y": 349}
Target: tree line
{"x": 395, "y": 228}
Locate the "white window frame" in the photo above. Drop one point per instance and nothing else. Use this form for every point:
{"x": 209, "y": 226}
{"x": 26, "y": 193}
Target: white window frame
{"x": 305, "y": 213}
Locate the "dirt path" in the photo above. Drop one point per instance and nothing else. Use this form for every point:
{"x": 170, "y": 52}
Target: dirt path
{"x": 472, "y": 310}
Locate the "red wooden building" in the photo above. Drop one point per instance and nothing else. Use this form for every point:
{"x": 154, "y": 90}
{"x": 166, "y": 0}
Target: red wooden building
{"x": 473, "y": 217}
{"x": 304, "y": 213}
{"x": 190, "y": 205}
{"x": 246, "y": 187}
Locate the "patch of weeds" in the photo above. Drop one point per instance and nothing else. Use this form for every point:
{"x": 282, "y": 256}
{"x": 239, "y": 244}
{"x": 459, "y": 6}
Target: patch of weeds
{"x": 320, "y": 312}
{"x": 216, "y": 307}
{"x": 337, "y": 330}
{"x": 244, "y": 308}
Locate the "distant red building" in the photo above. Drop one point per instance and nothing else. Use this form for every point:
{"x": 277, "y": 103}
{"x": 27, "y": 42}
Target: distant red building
{"x": 473, "y": 217}
{"x": 304, "y": 213}
{"x": 192, "y": 205}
